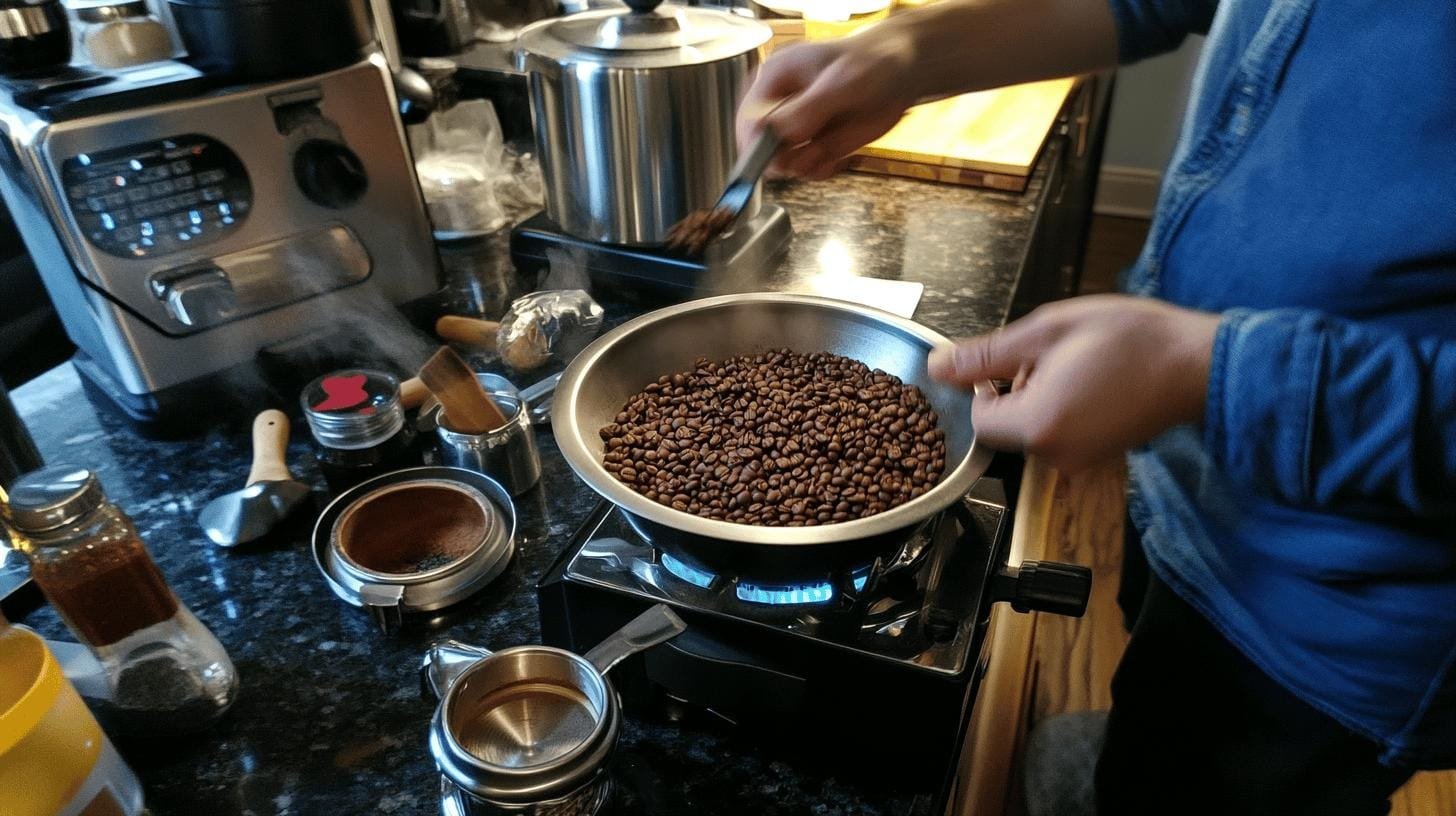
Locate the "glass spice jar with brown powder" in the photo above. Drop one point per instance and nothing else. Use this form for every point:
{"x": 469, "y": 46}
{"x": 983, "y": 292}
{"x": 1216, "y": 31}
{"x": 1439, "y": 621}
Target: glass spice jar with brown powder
{"x": 165, "y": 672}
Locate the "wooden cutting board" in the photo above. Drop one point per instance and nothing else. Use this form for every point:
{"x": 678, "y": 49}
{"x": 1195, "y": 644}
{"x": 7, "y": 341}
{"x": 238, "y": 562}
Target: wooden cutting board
{"x": 985, "y": 139}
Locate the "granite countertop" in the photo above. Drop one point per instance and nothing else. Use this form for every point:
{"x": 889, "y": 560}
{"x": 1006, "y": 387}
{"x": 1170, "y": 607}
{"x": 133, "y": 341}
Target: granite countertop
{"x": 330, "y": 719}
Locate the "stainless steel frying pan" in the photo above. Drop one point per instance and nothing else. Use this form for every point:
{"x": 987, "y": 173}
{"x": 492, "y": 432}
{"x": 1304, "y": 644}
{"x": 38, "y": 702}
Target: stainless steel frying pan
{"x": 625, "y": 360}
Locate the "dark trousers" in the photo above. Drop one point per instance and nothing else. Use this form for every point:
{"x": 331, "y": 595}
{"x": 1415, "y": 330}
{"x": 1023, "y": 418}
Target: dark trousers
{"x": 1196, "y": 728}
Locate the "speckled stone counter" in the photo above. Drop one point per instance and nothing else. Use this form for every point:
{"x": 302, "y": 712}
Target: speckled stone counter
{"x": 330, "y": 718}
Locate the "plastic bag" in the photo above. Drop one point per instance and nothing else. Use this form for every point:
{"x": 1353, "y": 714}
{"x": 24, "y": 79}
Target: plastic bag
{"x": 472, "y": 183}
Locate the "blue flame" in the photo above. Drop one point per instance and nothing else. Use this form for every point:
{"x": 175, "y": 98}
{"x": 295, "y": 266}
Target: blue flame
{"x": 691, "y": 574}
{"x": 815, "y": 592}
{"x": 786, "y": 594}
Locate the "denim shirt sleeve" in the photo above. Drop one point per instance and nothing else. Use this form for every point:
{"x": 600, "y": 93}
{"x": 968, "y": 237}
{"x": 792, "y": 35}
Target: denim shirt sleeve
{"x": 1146, "y": 28}
{"x": 1331, "y": 414}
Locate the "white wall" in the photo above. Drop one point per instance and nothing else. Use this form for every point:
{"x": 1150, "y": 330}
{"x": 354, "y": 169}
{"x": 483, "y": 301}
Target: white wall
{"x": 1147, "y": 108}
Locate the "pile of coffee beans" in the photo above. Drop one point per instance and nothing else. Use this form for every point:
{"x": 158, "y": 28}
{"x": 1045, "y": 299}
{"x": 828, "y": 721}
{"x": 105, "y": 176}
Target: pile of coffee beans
{"x": 780, "y": 439}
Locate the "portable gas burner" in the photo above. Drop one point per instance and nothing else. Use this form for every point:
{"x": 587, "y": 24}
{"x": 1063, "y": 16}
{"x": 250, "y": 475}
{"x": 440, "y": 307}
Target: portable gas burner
{"x": 875, "y": 665}
{"x": 733, "y": 261}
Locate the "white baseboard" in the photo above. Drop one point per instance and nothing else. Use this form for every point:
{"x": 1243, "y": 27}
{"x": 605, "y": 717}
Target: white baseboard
{"x": 1127, "y": 191}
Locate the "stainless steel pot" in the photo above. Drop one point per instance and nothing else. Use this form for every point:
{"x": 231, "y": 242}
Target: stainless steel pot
{"x": 633, "y": 111}
{"x": 625, "y": 360}
{"x": 528, "y": 730}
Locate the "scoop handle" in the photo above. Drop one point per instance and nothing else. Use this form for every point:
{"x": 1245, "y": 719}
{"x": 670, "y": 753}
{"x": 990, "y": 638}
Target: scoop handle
{"x": 646, "y": 630}
{"x": 270, "y": 448}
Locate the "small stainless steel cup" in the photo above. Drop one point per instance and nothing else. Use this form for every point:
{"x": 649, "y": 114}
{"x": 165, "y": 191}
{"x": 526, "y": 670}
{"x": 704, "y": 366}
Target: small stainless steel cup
{"x": 527, "y": 731}
{"x": 507, "y": 454}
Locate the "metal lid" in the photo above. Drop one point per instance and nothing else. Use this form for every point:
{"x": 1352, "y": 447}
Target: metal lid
{"x": 648, "y": 35}
{"x": 53, "y": 497}
{"x": 106, "y": 11}
{"x": 353, "y": 409}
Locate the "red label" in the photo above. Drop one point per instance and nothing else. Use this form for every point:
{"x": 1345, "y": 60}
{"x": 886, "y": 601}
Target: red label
{"x": 344, "y": 392}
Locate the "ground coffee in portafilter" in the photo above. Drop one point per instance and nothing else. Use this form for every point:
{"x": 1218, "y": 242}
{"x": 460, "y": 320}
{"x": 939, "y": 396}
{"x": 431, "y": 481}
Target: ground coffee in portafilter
{"x": 412, "y": 529}
{"x": 780, "y": 439}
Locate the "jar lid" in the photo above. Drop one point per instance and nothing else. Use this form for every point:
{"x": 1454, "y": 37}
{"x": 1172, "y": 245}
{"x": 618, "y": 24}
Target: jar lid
{"x": 106, "y": 11}
{"x": 53, "y": 497}
{"x": 646, "y": 35}
{"x": 353, "y": 409}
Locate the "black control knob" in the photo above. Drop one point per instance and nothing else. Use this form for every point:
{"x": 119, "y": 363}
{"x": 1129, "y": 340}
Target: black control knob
{"x": 1044, "y": 586}
{"x": 329, "y": 173}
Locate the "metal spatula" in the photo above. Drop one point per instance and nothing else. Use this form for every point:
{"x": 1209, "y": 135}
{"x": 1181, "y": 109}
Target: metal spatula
{"x": 692, "y": 235}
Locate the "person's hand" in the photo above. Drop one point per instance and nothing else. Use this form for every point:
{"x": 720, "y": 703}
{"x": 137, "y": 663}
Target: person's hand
{"x": 1092, "y": 376}
{"x": 832, "y": 98}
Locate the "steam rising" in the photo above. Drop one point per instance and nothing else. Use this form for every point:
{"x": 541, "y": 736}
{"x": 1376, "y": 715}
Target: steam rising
{"x": 565, "y": 269}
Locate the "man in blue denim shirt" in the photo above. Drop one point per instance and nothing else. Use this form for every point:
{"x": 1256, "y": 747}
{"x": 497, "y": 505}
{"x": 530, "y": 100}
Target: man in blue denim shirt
{"x": 1286, "y": 390}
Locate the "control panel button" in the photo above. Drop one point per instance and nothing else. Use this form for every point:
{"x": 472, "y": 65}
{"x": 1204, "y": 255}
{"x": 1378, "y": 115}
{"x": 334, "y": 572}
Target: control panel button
{"x": 329, "y": 173}
{"x": 154, "y": 185}
{"x": 200, "y": 297}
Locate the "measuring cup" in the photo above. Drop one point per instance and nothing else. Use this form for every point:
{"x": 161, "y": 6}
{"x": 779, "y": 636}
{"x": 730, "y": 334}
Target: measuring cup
{"x": 528, "y": 730}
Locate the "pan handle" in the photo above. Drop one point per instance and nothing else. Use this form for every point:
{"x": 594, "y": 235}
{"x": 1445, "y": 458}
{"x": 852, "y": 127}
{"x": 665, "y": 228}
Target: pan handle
{"x": 646, "y": 630}
{"x": 1044, "y": 586}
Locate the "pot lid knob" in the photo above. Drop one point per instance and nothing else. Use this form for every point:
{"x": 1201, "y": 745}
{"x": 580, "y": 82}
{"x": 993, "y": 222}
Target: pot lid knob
{"x": 646, "y": 33}
{"x": 645, "y": 27}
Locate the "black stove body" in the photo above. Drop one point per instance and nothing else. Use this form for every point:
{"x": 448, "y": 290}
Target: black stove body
{"x": 870, "y": 670}
{"x": 737, "y": 262}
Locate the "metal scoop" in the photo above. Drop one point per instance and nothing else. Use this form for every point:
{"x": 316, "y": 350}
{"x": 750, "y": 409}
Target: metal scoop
{"x": 271, "y": 493}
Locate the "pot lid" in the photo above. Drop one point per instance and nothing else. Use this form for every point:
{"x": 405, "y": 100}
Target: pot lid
{"x": 646, "y": 34}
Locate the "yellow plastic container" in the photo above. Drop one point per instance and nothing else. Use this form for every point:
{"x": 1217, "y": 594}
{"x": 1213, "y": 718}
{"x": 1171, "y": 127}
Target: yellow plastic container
{"x": 54, "y": 758}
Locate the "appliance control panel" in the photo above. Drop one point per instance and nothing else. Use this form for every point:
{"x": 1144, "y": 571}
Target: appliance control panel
{"x": 154, "y": 198}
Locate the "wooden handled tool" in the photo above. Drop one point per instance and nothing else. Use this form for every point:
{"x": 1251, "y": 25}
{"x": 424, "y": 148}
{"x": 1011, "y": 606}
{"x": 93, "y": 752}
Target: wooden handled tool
{"x": 271, "y": 493}
{"x": 472, "y": 331}
{"x": 270, "y": 448}
{"x": 413, "y": 393}
{"x": 466, "y": 405}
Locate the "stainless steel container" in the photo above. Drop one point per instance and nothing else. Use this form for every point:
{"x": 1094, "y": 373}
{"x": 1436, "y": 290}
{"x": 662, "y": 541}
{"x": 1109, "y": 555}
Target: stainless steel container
{"x": 508, "y": 453}
{"x": 389, "y": 595}
{"x": 527, "y": 731}
{"x": 634, "y": 111}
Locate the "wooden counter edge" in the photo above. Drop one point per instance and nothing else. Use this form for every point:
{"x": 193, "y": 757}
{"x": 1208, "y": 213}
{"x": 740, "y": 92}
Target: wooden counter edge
{"x": 989, "y": 774}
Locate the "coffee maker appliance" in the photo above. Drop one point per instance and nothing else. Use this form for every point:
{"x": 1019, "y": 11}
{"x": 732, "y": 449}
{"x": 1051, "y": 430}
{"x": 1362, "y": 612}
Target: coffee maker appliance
{"x": 186, "y": 223}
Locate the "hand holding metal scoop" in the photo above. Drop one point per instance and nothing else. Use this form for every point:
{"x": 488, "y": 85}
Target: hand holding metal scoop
{"x": 271, "y": 493}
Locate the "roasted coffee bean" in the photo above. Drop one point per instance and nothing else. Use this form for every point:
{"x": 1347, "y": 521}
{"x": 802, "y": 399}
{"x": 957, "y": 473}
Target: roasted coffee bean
{"x": 779, "y": 439}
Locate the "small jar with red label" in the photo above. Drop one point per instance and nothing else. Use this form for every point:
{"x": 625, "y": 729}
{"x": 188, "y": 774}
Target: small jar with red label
{"x": 359, "y": 425}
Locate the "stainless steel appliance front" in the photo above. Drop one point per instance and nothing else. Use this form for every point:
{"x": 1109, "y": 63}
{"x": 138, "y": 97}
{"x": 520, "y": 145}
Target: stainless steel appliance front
{"x": 179, "y": 238}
